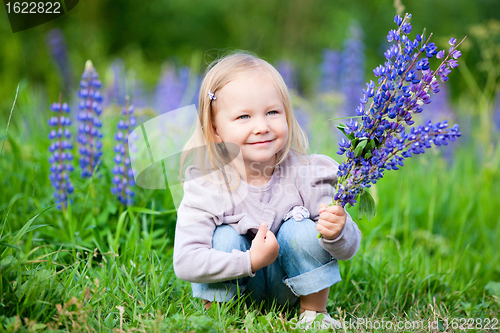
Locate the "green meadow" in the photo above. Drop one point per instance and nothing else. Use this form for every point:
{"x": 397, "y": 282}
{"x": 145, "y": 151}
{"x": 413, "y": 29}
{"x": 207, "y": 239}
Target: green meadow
{"x": 431, "y": 252}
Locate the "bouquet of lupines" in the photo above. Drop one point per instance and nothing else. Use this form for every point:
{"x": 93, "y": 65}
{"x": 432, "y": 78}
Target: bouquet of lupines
{"x": 89, "y": 133}
{"x": 61, "y": 156}
{"x": 381, "y": 140}
{"x": 124, "y": 175}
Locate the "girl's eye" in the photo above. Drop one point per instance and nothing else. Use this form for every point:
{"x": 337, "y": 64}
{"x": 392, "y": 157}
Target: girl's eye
{"x": 245, "y": 115}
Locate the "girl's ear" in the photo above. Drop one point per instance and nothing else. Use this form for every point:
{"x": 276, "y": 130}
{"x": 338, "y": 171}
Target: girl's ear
{"x": 216, "y": 135}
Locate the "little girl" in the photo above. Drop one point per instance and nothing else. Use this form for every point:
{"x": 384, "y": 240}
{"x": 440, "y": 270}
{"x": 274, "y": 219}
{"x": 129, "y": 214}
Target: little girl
{"x": 254, "y": 201}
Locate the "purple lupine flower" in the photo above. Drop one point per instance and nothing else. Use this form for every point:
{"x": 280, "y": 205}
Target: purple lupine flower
{"x": 329, "y": 91}
{"x": 304, "y": 119}
{"x": 89, "y": 133}
{"x": 330, "y": 72}
{"x": 116, "y": 91}
{"x": 287, "y": 71}
{"x": 140, "y": 94}
{"x": 380, "y": 139}
{"x": 61, "y": 147}
{"x": 171, "y": 89}
{"x": 496, "y": 112}
{"x": 58, "y": 50}
{"x": 352, "y": 70}
{"x": 195, "y": 98}
{"x": 439, "y": 110}
{"x": 123, "y": 178}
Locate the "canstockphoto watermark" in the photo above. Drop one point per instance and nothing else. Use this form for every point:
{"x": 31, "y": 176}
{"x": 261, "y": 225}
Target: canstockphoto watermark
{"x": 28, "y": 14}
{"x": 429, "y": 325}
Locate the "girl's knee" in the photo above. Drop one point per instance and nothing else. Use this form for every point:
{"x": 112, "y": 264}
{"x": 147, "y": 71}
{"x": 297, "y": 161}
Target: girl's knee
{"x": 292, "y": 229}
{"x": 298, "y": 240}
{"x": 226, "y": 239}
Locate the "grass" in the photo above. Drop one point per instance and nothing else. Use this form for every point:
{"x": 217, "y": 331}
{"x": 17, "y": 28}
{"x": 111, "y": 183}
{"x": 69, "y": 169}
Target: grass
{"x": 431, "y": 253}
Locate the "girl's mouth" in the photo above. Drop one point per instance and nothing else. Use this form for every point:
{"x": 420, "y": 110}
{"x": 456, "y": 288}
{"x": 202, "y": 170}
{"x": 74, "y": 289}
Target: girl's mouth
{"x": 262, "y": 143}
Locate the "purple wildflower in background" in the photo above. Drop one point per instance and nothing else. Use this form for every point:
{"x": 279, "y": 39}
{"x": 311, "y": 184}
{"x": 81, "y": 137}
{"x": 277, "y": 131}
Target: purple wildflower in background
{"x": 496, "y": 112}
{"x": 329, "y": 94}
{"x": 195, "y": 98}
{"x": 330, "y": 71}
{"x": 140, "y": 94}
{"x": 58, "y": 51}
{"x": 116, "y": 90}
{"x": 381, "y": 141}
{"x": 304, "y": 120}
{"x": 89, "y": 133}
{"x": 287, "y": 71}
{"x": 123, "y": 173}
{"x": 171, "y": 89}
{"x": 439, "y": 110}
{"x": 61, "y": 146}
{"x": 352, "y": 66}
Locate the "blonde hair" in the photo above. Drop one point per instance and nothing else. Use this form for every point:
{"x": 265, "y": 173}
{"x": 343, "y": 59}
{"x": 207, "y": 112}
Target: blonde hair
{"x": 217, "y": 75}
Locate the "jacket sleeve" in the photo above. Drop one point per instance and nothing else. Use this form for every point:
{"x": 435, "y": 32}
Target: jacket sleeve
{"x": 316, "y": 189}
{"x": 199, "y": 213}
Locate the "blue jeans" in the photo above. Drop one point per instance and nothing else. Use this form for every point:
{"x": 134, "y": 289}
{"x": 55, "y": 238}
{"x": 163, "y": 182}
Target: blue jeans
{"x": 303, "y": 267}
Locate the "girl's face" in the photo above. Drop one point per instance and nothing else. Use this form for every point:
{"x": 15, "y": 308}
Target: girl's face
{"x": 251, "y": 115}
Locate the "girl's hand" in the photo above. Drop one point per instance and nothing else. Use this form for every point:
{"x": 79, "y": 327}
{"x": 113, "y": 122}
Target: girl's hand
{"x": 331, "y": 221}
{"x": 264, "y": 249}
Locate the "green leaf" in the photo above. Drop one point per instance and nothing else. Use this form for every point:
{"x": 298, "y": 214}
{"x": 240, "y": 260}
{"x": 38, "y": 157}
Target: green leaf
{"x": 150, "y": 211}
{"x": 98, "y": 240}
{"x": 366, "y": 206}
{"x": 370, "y": 145}
{"x": 319, "y": 318}
{"x": 24, "y": 229}
{"x": 342, "y": 128}
{"x": 354, "y": 142}
{"x": 493, "y": 287}
{"x": 34, "y": 227}
{"x": 121, "y": 221}
{"x": 368, "y": 155}
{"x": 9, "y": 245}
{"x": 360, "y": 147}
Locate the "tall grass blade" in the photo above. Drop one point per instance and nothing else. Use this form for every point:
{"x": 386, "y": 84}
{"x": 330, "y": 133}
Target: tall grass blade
{"x": 10, "y": 116}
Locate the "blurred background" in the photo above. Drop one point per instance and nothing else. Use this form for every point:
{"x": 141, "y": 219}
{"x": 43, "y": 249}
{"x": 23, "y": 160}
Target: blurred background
{"x": 143, "y": 40}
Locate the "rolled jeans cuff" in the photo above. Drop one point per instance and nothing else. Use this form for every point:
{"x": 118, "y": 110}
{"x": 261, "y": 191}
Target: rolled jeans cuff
{"x": 218, "y": 292}
{"x": 313, "y": 281}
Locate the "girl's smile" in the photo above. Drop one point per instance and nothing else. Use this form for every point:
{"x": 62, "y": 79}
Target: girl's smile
{"x": 261, "y": 143}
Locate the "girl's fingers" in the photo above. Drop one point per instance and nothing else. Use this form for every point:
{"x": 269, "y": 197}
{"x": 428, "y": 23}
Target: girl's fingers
{"x": 262, "y": 231}
{"x": 322, "y": 208}
{"x": 337, "y": 210}
{"x": 324, "y": 231}
{"x": 327, "y": 216}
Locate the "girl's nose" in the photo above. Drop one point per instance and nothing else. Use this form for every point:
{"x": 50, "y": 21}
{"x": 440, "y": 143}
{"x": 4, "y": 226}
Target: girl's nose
{"x": 261, "y": 126}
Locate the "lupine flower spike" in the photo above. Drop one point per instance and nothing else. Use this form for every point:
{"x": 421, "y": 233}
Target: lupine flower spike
{"x": 124, "y": 175}
{"x": 89, "y": 133}
{"x": 381, "y": 140}
{"x": 61, "y": 146}
{"x": 352, "y": 70}
{"x": 59, "y": 52}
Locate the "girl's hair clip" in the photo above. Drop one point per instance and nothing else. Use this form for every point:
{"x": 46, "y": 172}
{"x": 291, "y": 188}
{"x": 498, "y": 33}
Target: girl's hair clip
{"x": 212, "y": 96}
